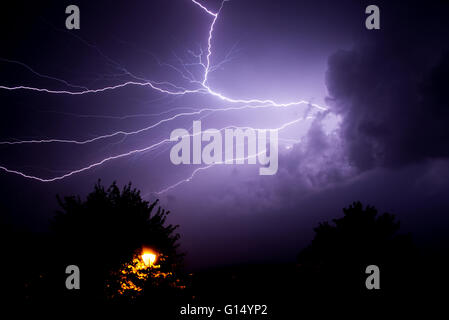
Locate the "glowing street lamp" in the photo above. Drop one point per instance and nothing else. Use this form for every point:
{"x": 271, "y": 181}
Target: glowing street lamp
{"x": 148, "y": 257}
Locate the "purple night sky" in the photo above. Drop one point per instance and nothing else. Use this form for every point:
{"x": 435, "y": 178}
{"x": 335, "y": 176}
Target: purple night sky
{"x": 383, "y": 138}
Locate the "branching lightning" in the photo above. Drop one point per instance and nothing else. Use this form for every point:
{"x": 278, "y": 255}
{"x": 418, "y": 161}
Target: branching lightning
{"x": 166, "y": 88}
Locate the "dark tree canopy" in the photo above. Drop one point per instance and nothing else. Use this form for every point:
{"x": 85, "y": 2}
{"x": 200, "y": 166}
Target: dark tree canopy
{"x": 340, "y": 252}
{"x": 108, "y": 229}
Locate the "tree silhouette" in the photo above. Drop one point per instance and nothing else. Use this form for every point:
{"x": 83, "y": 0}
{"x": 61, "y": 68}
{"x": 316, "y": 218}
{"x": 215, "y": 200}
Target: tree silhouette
{"x": 339, "y": 253}
{"x": 104, "y": 236}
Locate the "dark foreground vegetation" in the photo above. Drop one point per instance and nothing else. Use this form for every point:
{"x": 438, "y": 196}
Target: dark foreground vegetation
{"x": 106, "y": 235}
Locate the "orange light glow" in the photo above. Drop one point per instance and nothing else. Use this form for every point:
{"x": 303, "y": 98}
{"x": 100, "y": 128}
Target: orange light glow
{"x": 149, "y": 257}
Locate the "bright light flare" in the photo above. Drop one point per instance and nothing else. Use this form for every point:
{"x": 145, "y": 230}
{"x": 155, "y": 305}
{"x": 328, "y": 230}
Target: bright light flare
{"x": 149, "y": 257}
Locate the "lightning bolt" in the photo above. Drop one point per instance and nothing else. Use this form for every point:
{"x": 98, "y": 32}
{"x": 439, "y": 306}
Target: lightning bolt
{"x": 135, "y": 151}
{"x": 166, "y": 88}
{"x": 197, "y": 170}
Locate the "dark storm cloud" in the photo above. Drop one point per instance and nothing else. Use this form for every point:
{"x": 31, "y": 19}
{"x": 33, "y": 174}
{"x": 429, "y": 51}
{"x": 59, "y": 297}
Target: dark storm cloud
{"x": 391, "y": 89}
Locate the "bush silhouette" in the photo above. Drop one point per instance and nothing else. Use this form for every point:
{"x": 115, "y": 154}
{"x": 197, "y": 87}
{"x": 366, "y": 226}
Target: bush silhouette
{"x": 104, "y": 233}
{"x": 339, "y": 254}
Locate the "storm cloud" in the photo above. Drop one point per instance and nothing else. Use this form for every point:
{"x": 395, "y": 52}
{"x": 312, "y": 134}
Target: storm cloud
{"x": 391, "y": 91}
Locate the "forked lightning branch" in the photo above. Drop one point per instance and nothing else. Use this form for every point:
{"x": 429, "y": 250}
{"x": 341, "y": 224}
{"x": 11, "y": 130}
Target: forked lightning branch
{"x": 239, "y": 145}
